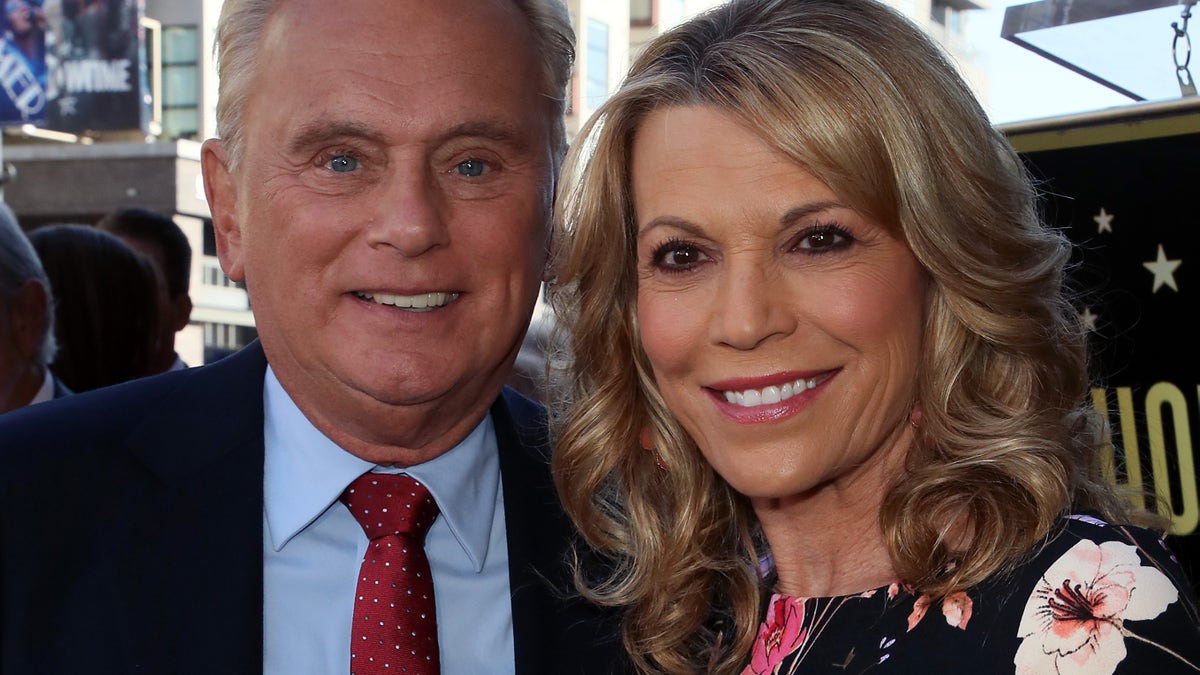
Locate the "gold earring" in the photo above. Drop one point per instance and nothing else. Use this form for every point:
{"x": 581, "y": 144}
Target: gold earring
{"x": 914, "y": 417}
{"x": 646, "y": 439}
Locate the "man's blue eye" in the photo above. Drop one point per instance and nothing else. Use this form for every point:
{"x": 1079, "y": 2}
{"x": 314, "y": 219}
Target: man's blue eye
{"x": 470, "y": 167}
{"x": 343, "y": 163}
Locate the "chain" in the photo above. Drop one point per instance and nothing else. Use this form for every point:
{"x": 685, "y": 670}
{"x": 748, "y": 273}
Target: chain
{"x": 1187, "y": 86}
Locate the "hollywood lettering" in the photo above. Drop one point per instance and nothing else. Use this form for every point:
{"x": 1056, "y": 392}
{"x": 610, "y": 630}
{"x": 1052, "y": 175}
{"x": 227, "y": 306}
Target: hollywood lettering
{"x": 1160, "y": 419}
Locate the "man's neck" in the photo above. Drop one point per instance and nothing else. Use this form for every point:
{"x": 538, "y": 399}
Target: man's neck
{"x": 28, "y": 381}
{"x": 166, "y": 359}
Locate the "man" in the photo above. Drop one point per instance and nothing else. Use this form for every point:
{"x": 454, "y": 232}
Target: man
{"x": 27, "y": 344}
{"x": 383, "y": 186}
{"x": 162, "y": 241}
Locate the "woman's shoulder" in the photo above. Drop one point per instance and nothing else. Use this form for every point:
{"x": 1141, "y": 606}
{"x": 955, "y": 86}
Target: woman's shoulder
{"x": 1085, "y": 542}
{"x": 1076, "y": 527}
{"x": 1109, "y": 596}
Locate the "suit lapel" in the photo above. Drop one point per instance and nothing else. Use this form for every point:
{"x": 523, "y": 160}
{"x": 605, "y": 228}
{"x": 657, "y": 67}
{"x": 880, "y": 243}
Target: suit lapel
{"x": 530, "y": 513}
{"x": 202, "y": 511}
{"x": 554, "y": 630}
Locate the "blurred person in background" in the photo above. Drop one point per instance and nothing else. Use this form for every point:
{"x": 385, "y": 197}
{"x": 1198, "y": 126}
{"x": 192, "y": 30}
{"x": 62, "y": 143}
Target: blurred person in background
{"x": 25, "y": 27}
{"x": 107, "y": 306}
{"x": 27, "y": 343}
{"x": 162, "y": 241}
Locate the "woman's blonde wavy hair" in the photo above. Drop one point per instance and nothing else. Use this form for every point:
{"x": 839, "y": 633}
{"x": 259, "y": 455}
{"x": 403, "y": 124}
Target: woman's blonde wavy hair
{"x": 1008, "y": 441}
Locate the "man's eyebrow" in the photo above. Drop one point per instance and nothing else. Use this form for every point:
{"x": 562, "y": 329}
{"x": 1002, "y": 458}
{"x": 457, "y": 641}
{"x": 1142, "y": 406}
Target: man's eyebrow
{"x": 492, "y": 130}
{"x": 319, "y": 133}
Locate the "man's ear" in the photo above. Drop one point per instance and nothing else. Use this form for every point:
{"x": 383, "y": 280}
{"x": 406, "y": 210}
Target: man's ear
{"x": 181, "y": 311}
{"x": 29, "y": 317}
{"x": 221, "y": 191}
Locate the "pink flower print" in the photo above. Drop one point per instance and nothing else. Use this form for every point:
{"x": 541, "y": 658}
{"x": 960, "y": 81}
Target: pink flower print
{"x": 1075, "y": 620}
{"x": 918, "y": 611}
{"x": 781, "y": 634}
{"x": 956, "y": 607}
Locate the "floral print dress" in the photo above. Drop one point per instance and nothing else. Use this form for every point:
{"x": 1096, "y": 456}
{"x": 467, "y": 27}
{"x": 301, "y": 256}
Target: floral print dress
{"x": 1097, "y": 599}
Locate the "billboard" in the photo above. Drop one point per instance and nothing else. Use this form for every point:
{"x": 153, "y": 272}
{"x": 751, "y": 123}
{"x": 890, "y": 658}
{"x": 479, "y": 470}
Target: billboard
{"x": 23, "y": 63}
{"x": 86, "y": 59}
{"x": 1123, "y": 185}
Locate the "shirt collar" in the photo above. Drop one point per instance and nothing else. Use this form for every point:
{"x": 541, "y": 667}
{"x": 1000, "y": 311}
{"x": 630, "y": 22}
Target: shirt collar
{"x": 46, "y": 391}
{"x": 305, "y": 472}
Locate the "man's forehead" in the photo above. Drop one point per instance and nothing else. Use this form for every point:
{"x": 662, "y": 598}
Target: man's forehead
{"x": 402, "y": 55}
{"x": 391, "y": 18}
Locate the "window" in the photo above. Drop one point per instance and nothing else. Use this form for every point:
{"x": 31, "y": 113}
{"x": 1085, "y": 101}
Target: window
{"x": 595, "y": 89}
{"x": 641, "y": 12}
{"x": 942, "y": 13}
{"x": 223, "y": 339}
{"x": 181, "y": 82}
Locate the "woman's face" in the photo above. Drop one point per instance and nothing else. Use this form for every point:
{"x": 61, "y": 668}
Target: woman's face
{"x": 18, "y": 13}
{"x": 783, "y": 326}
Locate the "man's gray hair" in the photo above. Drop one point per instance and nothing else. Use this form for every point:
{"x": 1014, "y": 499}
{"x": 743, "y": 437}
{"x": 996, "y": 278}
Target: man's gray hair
{"x": 239, "y": 36}
{"x": 19, "y": 263}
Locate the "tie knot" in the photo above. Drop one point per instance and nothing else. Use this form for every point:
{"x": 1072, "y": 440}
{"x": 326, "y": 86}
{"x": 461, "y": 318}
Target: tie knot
{"x": 390, "y": 504}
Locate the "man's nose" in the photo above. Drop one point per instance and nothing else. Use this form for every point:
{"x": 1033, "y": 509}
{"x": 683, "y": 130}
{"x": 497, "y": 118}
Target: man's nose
{"x": 411, "y": 218}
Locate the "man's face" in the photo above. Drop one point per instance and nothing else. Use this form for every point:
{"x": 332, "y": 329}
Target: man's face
{"x": 389, "y": 214}
{"x": 10, "y": 357}
{"x": 22, "y": 322}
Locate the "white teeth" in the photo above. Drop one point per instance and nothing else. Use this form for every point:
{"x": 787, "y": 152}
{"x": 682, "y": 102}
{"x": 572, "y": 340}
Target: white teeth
{"x": 422, "y": 302}
{"x": 769, "y": 395}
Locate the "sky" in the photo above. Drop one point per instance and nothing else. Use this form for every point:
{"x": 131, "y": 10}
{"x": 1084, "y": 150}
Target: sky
{"x": 1024, "y": 85}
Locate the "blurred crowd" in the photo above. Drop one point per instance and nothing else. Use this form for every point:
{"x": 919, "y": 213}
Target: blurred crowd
{"x": 83, "y": 306}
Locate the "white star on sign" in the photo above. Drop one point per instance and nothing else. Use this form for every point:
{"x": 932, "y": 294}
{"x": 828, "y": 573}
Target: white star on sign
{"x": 1088, "y": 319}
{"x": 1164, "y": 270}
{"x": 1103, "y": 221}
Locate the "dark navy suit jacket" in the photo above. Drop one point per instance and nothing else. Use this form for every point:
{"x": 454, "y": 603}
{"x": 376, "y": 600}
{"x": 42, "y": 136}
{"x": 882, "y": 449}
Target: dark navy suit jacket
{"x": 131, "y": 532}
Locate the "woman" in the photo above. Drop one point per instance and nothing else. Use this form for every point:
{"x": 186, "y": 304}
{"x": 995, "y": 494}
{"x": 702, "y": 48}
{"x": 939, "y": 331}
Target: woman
{"x": 826, "y": 402}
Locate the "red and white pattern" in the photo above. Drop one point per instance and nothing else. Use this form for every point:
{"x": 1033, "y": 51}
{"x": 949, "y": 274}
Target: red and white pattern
{"x": 394, "y": 629}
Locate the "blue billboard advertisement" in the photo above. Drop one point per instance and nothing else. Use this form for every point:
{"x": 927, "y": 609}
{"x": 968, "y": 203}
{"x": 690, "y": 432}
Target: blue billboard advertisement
{"x": 97, "y": 75}
{"x": 74, "y": 65}
{"x": 23, "y": 68}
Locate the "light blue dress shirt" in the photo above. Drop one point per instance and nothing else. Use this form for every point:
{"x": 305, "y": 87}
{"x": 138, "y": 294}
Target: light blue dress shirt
{"x": 312, "y": 548}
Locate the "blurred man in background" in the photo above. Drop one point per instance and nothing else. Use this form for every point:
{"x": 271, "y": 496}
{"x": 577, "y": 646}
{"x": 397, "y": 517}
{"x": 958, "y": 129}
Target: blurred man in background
{"x": 161, "y": 240}
{"x": 27, "y": 343}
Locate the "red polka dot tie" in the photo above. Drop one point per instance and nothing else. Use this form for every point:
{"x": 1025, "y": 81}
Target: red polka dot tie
{"x": 394, "y": 629}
